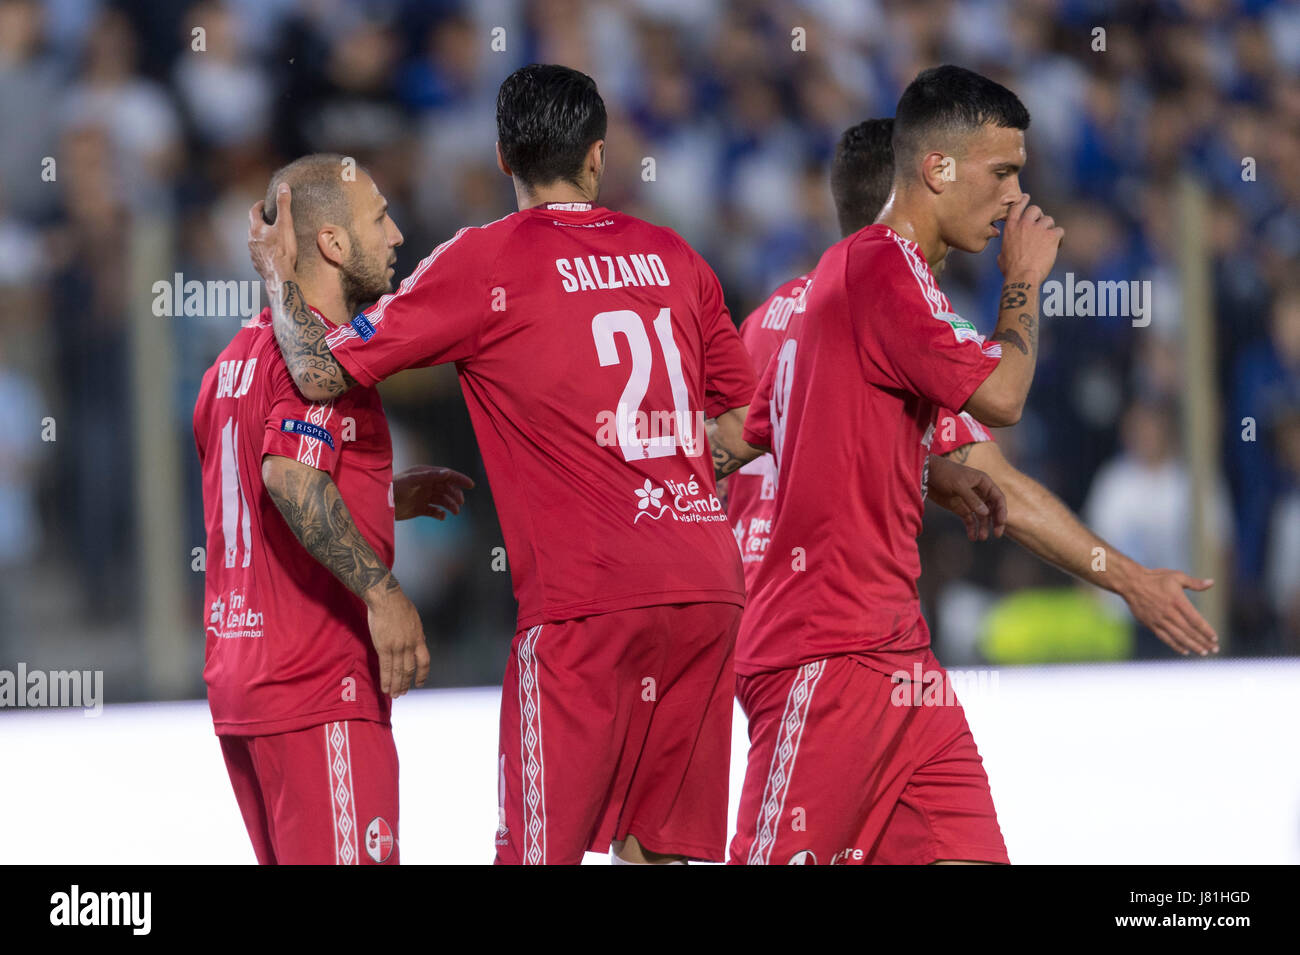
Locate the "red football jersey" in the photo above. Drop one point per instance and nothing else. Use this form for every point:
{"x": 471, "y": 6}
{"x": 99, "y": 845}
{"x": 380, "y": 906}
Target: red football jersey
{"x": 590, "y": 347}
{"x": 956, "y": 430}
{"x": 288, "y": 646}
{"x": 751, "y": 491}
{"x": 848, "y": 406}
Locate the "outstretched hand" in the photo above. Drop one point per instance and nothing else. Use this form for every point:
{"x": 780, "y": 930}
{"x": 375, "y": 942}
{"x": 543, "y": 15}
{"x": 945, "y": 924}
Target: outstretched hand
{"x": 1157, "y": 600}
{"x": 424, "y": 491}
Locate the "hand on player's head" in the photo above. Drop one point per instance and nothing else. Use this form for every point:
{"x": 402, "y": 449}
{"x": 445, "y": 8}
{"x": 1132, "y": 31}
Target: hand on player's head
{"x": 271, "y": 242}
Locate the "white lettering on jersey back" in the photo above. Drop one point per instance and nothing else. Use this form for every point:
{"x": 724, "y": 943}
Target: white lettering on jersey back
{"x": 230, "y": 384}
{"x": 778, "y": 313}
{"x": 611, "y": 272}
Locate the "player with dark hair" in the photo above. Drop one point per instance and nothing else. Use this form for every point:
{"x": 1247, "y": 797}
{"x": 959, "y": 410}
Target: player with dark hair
{"x": 308, "y": 633}
{"x": 861, "y": 179}
{"x": 871, "y": 352}
{"x": 862, "y": 174}
{"x": 591, "y": 348}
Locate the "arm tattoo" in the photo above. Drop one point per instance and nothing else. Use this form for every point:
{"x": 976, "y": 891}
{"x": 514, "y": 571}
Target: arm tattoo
{"x": 1030, "y": 324}
{"x": 315, "y": 512}
{"x": 724, "y": 462}
{"x": 302, "y": 340}
{"x": 1015, "y": 294}
{"x": 1012, "y": 337}
{"x": 960, "y": 454}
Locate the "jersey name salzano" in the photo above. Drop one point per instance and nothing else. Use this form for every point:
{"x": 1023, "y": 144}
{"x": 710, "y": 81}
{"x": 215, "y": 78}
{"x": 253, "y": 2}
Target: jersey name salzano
{"x": 612, "y": 271}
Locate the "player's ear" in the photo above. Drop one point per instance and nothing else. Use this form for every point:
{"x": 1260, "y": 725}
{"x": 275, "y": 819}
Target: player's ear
{"x": 596, "y": 158}
{"x": 333, "y": 244}
{"x": 937, "y": 170}
{"x": 501, "y": 162}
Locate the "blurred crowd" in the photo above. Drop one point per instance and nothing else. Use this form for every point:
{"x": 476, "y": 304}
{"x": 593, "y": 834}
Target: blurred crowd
{"x": 121, "y": 113}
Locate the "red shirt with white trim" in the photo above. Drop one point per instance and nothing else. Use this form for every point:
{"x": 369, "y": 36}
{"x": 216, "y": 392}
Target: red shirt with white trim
{"x": 953, "y": 430}
{"x": 848, "y": 405}
{"x": 751, "y": 491}
{"x": 590, "y": 346}
{"x": 288, "y": 646}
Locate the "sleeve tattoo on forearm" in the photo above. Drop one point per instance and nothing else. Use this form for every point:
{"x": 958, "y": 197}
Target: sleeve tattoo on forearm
{"x": 302, "y": 340}
{"x": 319, "y": 518}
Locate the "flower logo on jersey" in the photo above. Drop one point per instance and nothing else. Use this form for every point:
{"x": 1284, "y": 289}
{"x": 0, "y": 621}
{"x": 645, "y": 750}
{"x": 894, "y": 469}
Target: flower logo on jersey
{"x": 218, "y": 611}
{"x": 648, "y": 496}
{"x": 379, "y": 840}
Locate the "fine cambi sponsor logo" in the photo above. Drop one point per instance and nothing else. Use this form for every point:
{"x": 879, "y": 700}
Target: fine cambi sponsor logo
{"x": 228, "y": 618}
{"x": 677, "y": 500}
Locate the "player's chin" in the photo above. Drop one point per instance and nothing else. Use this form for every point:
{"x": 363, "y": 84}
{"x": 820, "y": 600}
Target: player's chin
{"x": 975, "y": 244}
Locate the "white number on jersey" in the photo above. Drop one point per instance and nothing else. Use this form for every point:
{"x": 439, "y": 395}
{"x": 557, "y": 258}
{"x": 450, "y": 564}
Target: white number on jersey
{"x": 234, "y": 505}
{"x": 781, "y": 383}
{"x": 640, "y": 435}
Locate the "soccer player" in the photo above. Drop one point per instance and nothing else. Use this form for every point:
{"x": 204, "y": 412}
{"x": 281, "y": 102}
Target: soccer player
{"x": 591, "y": 348}
{"x": 837, "y": 772}
{"x": 861, "y": 176}
{"x": 299, "y": 502}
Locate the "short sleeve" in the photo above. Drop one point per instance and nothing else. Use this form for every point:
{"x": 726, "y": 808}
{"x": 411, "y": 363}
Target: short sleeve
{"x": 956, "y": 429}
{"x": 435, "y": 316}
{"x": 306, "y": 431}
{"x": 907, "y": 327}
{"x": 728, "y": 371}
{"x": 758, "y": 422}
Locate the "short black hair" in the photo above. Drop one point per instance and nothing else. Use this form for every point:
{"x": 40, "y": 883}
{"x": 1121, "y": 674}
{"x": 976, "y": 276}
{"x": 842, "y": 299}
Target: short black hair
{"x": 862, "y": 173}
{"x": 547, "y": 118}
{"x": 947, "y": 101}
{"x": 316, "y": 195}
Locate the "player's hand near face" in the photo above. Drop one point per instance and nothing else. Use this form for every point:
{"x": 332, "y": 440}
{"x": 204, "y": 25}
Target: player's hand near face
{"x": 1157, "y": 600}
{"x": 398, "y": 636}
{"x": 271, "y": 242}
{"x": 425, "y": 491}
{"x": 1030, "y": 240}
{"x": 971, "y": 495}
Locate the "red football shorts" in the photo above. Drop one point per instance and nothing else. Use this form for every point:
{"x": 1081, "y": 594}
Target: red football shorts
{"x": 840, "y": 772}
{"x": 618, "y": 724}
{"x": 326, "y": 795}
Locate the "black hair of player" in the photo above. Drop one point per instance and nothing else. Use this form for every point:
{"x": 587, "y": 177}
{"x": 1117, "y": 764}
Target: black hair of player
{"x": 946, "y": 102}
{"x": 547, "y": 118}
{"x": 862, "y": 173}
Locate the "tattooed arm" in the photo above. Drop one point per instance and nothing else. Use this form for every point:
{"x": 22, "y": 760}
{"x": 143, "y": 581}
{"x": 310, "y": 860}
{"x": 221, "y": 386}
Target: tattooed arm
{"x": 726, "y": 438}
{"x": 1029, "y": 243}
{"x": 310, "y": 503}
{"x": 301, "y": 337}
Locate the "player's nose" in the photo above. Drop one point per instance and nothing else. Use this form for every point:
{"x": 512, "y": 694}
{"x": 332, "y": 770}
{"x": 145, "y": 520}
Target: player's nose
{"x": 1013, "y": 193}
